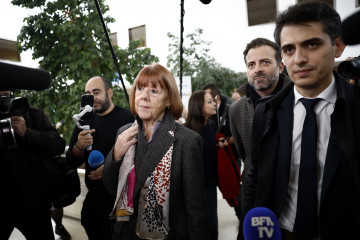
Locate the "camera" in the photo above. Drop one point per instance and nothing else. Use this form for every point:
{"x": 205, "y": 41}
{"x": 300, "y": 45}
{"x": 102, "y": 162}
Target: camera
{"x": 10, "y": 106}
{"x": 350, "y": 68}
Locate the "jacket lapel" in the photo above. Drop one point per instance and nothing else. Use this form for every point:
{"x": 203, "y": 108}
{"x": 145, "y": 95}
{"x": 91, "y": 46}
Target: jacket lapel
{"x": 155, "y": 151}
{"x": 285, "y": 126}
{"x": 332, "y": 161}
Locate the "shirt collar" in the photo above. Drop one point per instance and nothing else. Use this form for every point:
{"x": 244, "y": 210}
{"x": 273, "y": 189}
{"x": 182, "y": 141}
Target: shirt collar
{"x": 329, "y": 94}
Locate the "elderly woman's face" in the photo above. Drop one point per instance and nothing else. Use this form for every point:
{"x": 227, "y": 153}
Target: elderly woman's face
{"x": 150, "y": 102}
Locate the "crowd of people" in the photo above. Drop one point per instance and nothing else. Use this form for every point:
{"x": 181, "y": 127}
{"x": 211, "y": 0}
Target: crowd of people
{"x": 292, "y": 130}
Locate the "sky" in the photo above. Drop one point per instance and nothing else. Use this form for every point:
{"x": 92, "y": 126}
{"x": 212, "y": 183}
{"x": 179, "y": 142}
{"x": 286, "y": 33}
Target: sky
{"x": 160, "y": 16}
{"x": 224, "y": 24}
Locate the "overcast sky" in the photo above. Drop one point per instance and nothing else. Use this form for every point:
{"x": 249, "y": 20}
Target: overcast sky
{"x": 215, "y": 18}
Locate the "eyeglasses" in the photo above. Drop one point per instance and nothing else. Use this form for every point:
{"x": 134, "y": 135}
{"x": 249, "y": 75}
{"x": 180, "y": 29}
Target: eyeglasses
{"x": 222, "y": 140}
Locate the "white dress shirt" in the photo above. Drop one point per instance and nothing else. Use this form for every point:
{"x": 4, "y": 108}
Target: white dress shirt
{"x": 323, "y": 110}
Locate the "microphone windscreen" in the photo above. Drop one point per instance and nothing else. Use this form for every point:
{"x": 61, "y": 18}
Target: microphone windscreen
{"x": 19, "y": 77}
{"x": 349, "y": 29}
{"x": 261, "y": 223}
{"x": 96, "y": 159}
{"x": 205, "y": 1}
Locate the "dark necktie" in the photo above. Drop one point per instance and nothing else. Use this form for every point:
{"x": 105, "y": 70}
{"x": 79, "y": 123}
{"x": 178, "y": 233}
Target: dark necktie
{"x": 306, "y": 221}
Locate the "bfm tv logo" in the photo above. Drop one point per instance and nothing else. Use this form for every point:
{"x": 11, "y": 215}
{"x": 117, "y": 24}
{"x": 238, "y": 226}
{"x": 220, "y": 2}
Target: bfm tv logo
{"x": 264, "y": 224}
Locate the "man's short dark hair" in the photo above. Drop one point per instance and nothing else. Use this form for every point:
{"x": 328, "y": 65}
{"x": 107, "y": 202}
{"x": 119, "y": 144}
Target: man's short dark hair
{"x": 215, "y": 90}
{"x": 259, "y": 42}
{"x": 309, "y": 12}
{"x": 107, "y": 83}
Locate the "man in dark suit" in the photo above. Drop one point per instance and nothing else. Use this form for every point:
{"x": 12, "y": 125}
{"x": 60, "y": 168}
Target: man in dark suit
{"x": 327, "y": 207}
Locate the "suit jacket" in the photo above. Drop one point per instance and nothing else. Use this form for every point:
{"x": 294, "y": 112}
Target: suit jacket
{"x": 241, "y": 117}
{"x": 269, "y": 174}
{"x": 187, "y": 215}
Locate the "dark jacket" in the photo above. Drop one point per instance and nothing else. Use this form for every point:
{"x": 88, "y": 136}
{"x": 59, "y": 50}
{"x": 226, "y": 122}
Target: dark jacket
{"x": 269, "y": 174}
{"x": 24, "y": 172}
{"x": 241, "y": 118}
{"x": 187, "y": 215}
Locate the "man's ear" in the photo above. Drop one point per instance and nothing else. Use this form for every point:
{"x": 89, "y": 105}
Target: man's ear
{"x": 339, "y": 47}
{"x": 110, "y": 92}
{"x": 281, "y": 67}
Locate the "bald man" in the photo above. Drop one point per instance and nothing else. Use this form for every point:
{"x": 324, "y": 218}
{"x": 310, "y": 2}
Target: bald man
{"x": 105, "y": 122}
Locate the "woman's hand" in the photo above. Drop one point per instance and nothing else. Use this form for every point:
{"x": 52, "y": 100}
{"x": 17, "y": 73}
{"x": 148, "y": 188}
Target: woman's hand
{"x": 222, "y": 142}
{"x": 124, "y": 141}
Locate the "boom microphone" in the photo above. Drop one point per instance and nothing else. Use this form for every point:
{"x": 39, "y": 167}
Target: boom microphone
{"x": 349, "y": 29}
{"x": 205, "y": 1}
{"x": 261, "y": 223}
{"x": 19, "y": 77}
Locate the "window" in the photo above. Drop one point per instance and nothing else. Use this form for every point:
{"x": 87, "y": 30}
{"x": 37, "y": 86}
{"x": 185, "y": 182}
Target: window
{"x": 138, "y": 33}
{"x": 330, "y": 2}
{"x": 113, "y": 39}
{"x": 261, "y": 11}
{"x": 9, "y": 50}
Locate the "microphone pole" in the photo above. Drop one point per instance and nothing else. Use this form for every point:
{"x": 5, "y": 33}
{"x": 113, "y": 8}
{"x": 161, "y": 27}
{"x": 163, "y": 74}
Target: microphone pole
{"x": 181, "y": 43}
{"x": 111, "y": 48}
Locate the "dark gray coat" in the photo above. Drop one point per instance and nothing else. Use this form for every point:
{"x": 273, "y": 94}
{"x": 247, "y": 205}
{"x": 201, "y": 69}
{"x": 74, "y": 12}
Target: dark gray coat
{"x": 188, "y": 215}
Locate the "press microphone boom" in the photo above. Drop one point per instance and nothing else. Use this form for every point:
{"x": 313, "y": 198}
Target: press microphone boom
{"x": 19, "y": 77}
{"x": 349, "y": 29}
{"x": 205, "y": 1}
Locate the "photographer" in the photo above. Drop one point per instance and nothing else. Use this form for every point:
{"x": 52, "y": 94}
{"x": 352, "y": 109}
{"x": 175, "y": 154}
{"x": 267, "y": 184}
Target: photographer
{"x": 24, "y": 177}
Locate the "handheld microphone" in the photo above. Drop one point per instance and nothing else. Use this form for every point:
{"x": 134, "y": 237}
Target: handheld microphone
{"x": 261, "y": 223}
{"x": 20, "y": 77}
{"x": 349, "y": 33}
{"x": 96, "y": 159}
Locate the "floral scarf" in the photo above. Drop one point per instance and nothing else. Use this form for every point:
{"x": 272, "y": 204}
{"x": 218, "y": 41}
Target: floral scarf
{"x": 153, "y": 213}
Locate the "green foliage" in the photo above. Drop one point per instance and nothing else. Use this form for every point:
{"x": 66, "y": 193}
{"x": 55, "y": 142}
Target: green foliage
{"x": 67, "y": 38}
{"x": 200, "y": 66}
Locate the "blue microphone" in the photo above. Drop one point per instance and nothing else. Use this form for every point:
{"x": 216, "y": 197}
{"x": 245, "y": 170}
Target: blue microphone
{"x": 261, "y": 223}
{"x": 96, "y": 159}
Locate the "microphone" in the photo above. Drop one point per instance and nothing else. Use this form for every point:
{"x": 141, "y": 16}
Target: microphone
{"x": 261, "y": 223}
{"x": 20, "y": 77}
{"x": 205, "y": 1}
{"x": 96, "y": 159}
{"x": 349, "y": 29}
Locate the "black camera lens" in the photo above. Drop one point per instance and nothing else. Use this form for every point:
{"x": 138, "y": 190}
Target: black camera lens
{"x": 20, "y": 106}
{"x": 350, "y": 69}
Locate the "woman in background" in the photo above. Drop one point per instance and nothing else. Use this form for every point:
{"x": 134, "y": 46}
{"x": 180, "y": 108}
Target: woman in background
{"x": 201, "y": 107}
{"x": 153, "y": 167}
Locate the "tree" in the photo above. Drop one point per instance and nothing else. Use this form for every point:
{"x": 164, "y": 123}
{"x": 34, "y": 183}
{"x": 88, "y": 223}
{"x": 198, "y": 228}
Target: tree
{"x": 200, "y": 66}
{"x": 68, "y": 39}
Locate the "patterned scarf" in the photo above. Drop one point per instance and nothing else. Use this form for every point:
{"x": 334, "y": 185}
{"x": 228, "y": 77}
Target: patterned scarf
{"x": 153, "y": 213}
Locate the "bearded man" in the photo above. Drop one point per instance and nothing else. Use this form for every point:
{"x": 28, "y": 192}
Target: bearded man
{"x": 105, "y": 122}
{"x": 265, "y": 78}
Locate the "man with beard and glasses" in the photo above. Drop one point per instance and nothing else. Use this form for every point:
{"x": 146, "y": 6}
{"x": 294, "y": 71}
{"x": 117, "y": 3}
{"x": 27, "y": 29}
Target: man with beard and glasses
{"x": 105, "y": 122}
{"x": 264, "y": 71}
